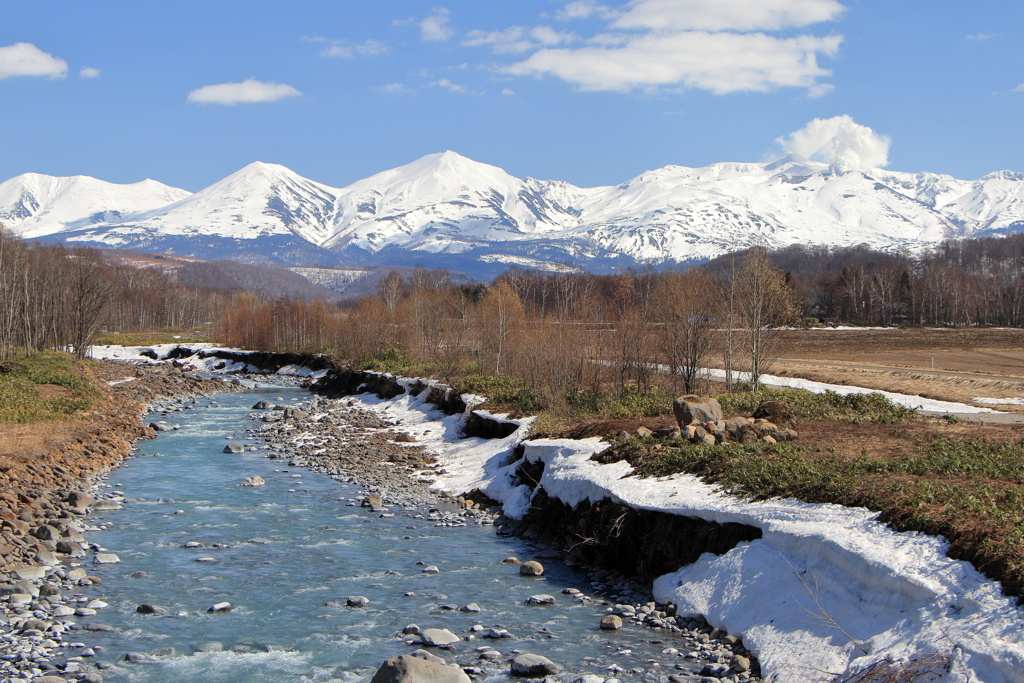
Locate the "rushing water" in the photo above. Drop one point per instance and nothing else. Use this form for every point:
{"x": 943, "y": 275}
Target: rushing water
{"x": 299, "y": 542}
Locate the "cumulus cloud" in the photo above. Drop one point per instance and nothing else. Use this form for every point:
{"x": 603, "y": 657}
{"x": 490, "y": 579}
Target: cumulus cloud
{"x": 721, "y": 62}
{"x": 25, "y": 59}
{"x": 722, "y": 46}
{"x": 89, "y": 72}
{"x": 436, "y": 27}
{"x": 839, "y": 142}
{"x": 246, "y": 92}
{"x": 347, "y": 50}
{"x": 517, "y": 39}
{"x": 726, "y": 15}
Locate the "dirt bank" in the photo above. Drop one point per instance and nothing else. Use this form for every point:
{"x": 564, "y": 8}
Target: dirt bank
{"x": 43, "y": 464}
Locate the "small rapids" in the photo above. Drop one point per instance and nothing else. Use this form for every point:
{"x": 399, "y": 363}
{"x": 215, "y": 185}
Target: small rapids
{"x": 289, "y": 554}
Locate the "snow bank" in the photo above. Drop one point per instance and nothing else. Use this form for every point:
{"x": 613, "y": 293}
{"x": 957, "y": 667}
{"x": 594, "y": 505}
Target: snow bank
{"x": 918, "y": 402}
{"x": 1000, "y": 401}
{"x": 897, "y": 595}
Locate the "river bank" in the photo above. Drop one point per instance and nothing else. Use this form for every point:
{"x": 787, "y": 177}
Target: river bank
{"x": 905, "y": 604}
{"x": 48, "y": 488}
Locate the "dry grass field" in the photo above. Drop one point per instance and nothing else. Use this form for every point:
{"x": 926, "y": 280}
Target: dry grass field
{"x": 948, "y": 364}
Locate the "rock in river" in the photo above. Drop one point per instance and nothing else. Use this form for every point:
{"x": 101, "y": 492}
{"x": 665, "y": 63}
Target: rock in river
{"x": 409, "y": 669}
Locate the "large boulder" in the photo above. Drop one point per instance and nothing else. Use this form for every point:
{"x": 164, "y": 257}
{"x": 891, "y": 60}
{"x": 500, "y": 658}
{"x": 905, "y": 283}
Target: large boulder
{"x": 409, "y": 669}
{"x": 531, "y": 665}
{"x": 776, "y": 412}
{"x": 693, "y": 409}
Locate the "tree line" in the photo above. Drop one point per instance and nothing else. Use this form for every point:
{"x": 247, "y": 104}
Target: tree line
{"x": 957, "y": 283}
{"x": 556, "y": 333}
{"x": 55, "y": 297}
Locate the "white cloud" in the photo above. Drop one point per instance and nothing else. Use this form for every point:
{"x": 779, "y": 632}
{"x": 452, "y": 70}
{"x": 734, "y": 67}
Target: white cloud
{"x": 726, "y": 15}
{"x": 517, "y": 39}
{"x": 1019, "y": 88}
{"x": 508, "y": 91}
{"x": 722, "y": 62}
{"x": 394, "y": 89}
{"x": 89, "y": 72}
{"x": 435, "y": 27}
{"x": 582, "y": 9}
{"x": 983, "y": 36}
{"x": 25, "y": 59}
{"x": 448, "y": 85}
{"x": 839, "y": 142}
{"x": 248, "y": 91}
{"x": 347, "y": 50}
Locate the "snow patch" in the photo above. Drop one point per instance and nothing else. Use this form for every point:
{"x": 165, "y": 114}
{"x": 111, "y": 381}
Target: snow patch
{"x": 898, "y": 595}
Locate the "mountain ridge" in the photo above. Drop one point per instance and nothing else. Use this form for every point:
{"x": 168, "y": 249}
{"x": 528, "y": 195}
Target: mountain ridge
{"x": 446, "y": 210}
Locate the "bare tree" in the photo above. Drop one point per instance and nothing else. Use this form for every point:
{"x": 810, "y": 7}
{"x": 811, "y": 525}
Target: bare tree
{"x": 764, "y": 302}
{"x": 684, "y": 308}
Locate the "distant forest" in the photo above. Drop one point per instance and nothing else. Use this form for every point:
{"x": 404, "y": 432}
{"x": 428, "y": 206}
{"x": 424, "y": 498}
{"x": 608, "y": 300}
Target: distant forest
{"x": 59, "y": 297}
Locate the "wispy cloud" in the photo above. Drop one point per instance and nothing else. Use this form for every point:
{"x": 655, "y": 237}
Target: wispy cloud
{"x": 517, "y": 39}
{"x": 395, "y": 89}
{"x": 1019, "y": 88}
{"x": 346, "y": 49}
{"x": 583, "y": 9}
{"x": 89, "y": 72}
{"x": 983, "y": 36}
{"x": 25, "y": 59}
{"x": 247, "y": 92}
{"x": 436, "y": 27}
{"x": 721, "y": 47}
{"x": 454, "y": 87}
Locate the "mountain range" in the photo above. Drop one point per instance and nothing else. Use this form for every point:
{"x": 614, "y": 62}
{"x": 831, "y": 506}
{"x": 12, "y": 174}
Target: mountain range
{"x": 445, "y": 210}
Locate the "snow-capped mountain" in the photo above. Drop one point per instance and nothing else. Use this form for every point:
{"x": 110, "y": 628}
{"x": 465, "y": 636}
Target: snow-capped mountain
{"x": 445, "y": 210}
{"x": 35, "y": 205}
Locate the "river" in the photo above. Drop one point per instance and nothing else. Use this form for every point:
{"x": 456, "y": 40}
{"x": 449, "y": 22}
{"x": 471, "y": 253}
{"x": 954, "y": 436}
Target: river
{"x": 289, "y": 554}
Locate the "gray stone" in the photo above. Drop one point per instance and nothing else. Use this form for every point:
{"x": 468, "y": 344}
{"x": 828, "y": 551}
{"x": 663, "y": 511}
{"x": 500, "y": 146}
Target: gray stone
{"x": 409, "y": 669}
{"x": 263, "y": 405}
{"x": 234, "y": 448}
{"x": 531, "y": 568}
{"x": 741, "y": 664}
{"x": 438, "y": 637}
{"x": 374, "y": 501}
{"x": 212, "y": 646}
{"x": 611, "y": 622}
{"x": 160, "y": 426}
{"x": 693, "y": 409}
{"x": 541, "y": 599}
{"x": 357, "y": 601}
{"x": 220, "y": 607}
{"x": 532, "y": 665}
{"x": 254, "y": 481}
{"x": 30, "y": 573}
{"x": 148, "y": 608}
{"x": 471, "y": 607}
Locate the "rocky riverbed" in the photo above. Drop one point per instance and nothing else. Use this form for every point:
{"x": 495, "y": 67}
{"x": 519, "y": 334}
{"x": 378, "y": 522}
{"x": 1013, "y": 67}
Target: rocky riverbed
{"x": 48, "y": 593}
{"x": 46, "y": 497}
{"x": 339, "y": 438}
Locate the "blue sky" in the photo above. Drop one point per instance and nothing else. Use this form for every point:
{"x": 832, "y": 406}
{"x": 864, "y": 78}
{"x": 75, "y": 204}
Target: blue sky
{"x": 593, "y": 93}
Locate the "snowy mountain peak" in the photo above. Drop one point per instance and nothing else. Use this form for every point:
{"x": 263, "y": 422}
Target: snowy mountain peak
{"x": 449, "y": 211}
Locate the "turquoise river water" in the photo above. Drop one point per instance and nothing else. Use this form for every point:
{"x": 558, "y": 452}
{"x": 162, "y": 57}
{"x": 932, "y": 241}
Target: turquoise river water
{"x": 298, "y": 543}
